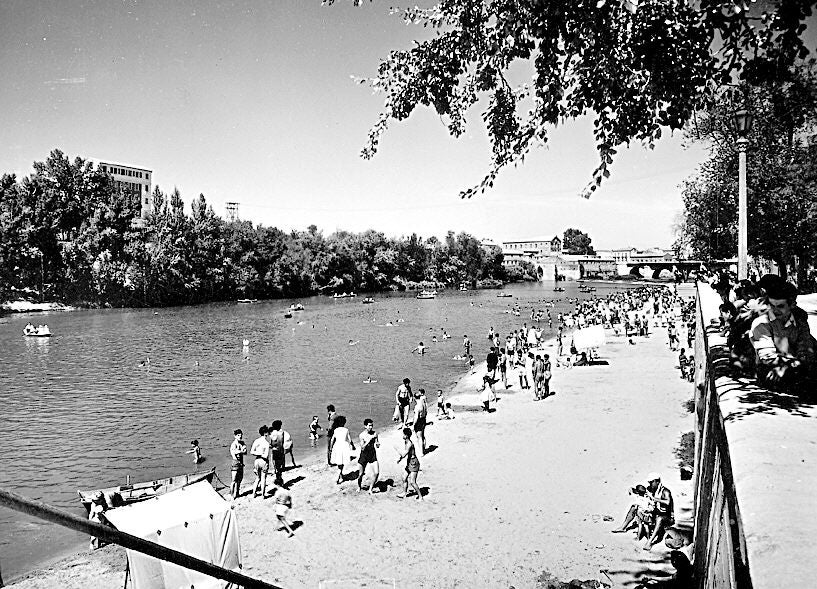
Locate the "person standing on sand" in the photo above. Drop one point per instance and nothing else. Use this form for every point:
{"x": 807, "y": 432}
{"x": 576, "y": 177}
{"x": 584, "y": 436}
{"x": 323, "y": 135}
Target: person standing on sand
{"x": 503, "y": 367}
{"x": 420, "y": 417}
{"x": 261, "y": 450}
{"x": 402, "y": 397}
{"x": 369, "y": 442}
{"x": 288, "y": 444}
{"x": 538, "y": 377}
{"x": 412, "y": 465}
{"x": 277, "y": 451}
{"x": 237, "y": 451}
{"x": 331, "y": 416}
{"x": 341, "y": 446}
{"x": 492, "y": 360}
{"x": 547, "y": 373}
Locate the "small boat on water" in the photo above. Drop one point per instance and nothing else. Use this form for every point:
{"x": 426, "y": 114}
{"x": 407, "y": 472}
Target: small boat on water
{"x": 41, "y": 331}
{"x": 287, "y": 314}
{"x": 558, "y": 289}
{"x": 368, "y": 301}
{"x": 126, "y": 494}
{"x": 246, "y": 301}
{"x": 296, "y": 307}
{"x": 503, "y": 295}
{"x": 427, "y": 294}
{"x": 343, "y": 295}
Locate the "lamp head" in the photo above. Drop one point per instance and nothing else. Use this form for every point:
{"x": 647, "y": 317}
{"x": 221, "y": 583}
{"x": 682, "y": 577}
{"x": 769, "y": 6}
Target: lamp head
{"x": 743, "y": 122}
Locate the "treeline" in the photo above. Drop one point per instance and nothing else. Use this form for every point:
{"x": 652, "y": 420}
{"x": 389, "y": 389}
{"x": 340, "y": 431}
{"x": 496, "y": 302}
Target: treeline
{"x": 781, "y": 179}
{"x": 66, "y": 232}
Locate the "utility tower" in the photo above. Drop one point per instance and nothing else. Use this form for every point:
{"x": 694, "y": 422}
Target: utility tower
{"x": 232, "y": 211}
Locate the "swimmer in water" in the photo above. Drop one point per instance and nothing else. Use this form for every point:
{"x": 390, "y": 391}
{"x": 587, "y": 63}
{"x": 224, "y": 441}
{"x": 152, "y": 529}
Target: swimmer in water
{"x": 246, "y": 343}
{"x": 196, "y": 452}
{"x": 445, "y": 335}
{"x": 145, "y": 362}
{"x": 434, "y": 339}
{"x": 389, "y": 324}
{"x": 420, "y": 349}
{"x": 353, "y": 342}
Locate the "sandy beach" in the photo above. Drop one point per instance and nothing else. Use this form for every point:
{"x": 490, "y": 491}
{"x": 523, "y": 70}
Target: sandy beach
{"x": 511, "y": 497}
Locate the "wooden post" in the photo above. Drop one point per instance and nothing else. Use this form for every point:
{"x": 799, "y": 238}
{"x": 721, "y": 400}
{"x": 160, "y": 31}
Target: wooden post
{"x": 49, "y": 513}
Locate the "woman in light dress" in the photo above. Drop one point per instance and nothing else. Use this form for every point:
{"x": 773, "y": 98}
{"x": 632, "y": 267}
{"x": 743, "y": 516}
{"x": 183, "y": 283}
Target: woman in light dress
{"x": 340, "y": 446}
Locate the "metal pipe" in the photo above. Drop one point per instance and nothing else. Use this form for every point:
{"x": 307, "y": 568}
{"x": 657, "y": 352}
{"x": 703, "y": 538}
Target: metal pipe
{"x": 52, "y": 514}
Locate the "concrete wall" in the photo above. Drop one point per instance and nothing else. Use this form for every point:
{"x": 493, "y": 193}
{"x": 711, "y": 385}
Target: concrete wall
{"x": 755, "y": 456}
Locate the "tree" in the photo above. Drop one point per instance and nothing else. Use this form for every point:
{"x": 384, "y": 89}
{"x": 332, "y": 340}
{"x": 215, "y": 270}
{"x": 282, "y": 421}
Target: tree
{"x": 782, "y": 178}
{"x": 637, "y": 67}
{"x": 577, "y": 242}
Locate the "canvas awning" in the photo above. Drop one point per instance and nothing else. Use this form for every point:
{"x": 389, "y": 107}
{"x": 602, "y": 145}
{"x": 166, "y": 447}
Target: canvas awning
{"x": 195, "y": 520}
{"x": 589, "y": 337}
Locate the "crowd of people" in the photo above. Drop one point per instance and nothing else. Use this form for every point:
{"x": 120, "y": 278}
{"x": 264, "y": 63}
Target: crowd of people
{"x": 518, "y": 357}
{"x": 767, "y": 333}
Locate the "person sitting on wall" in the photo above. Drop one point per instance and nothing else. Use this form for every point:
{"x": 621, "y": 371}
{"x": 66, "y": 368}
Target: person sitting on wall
{"x": 784, "y": 346}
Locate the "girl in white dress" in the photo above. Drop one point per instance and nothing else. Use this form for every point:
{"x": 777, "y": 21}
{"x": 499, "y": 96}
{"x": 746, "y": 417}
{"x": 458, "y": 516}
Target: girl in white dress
{"x": 340, "y": 447}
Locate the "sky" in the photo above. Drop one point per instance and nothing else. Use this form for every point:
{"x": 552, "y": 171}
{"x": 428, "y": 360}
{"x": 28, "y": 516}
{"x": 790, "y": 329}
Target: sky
{"x": 256, "y": 102}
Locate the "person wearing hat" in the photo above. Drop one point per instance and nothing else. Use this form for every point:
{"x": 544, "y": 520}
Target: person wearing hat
{"x": 656, "y": 518}
{"x": 784, "y": 346}
{"x": 662, "y": 509}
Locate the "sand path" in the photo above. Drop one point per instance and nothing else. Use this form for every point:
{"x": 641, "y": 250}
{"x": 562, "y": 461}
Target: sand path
{"x": 509, "y": 494}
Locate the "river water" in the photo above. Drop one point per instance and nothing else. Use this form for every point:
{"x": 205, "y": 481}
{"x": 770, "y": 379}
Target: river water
{"x": 79, "y": 412}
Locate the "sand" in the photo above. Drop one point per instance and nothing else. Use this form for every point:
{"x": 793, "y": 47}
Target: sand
{"x": 528, "y": 490}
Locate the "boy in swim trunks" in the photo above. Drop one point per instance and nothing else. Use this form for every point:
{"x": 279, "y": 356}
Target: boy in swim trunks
{"x": 369, "y": 442}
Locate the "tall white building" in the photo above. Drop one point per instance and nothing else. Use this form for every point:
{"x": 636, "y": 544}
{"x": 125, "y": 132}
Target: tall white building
{"x": 134, "y": 181}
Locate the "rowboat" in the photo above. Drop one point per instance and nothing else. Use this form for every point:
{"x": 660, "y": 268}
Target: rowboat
{"x": 126, "y": 494}
{"x": 368, "y": 301}
{"x": 37, "y": 334}
{"x": 504, "y": 295}
{"x": 296, "y": 307}
{"x": 246, "y": 301}
{"x": 427, "y": 294}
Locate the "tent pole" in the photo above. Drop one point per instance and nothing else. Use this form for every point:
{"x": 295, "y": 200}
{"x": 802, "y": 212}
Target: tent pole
{"x": 109, "y": 534}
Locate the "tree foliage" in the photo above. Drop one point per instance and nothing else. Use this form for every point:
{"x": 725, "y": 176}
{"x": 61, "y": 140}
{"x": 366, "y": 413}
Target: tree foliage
{"x": 781, "y": 179}
{"x": 635, "y": 66}
{"x": 577, "y": 242}
{"x": 66, "y": 232}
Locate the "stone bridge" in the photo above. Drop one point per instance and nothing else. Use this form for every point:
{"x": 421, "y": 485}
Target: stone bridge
{"x": 653, "y": 269}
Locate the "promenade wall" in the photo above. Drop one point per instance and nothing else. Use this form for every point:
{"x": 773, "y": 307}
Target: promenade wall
{"x": 755, "y": 458}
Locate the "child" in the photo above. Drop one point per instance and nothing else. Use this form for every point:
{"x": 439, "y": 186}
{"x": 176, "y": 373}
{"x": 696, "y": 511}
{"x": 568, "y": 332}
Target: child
{"x": 440, "y": 403}
{"x": 471, "y": 363}
{"x": 196, "y": 452}
{"x": 313, "y": 429}
{"x": 449, "y": 412}
{"x": 283, "y": 503}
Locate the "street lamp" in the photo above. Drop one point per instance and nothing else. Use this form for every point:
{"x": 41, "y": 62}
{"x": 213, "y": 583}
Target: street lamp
{"x": 743, "y": 125}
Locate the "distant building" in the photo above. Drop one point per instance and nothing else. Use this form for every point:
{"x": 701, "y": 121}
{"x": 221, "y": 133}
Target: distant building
{"x": 534, "y": 246}
{"x": 132, "y": 181}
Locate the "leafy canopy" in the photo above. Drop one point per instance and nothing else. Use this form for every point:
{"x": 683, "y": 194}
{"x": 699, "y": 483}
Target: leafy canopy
{"x": 635, "y": 66}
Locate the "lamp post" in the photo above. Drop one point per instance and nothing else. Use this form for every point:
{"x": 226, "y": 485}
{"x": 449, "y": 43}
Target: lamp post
{"x": 743, "y": 125}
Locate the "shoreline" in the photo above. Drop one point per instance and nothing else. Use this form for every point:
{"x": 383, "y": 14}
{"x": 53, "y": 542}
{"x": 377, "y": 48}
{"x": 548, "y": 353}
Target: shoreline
{"x": 501, "y": 507}
{"x": 23, "y": 306}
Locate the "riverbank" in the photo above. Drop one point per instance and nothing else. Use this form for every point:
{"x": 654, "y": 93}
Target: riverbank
{"x": 529, "y": 488}
{"x": 23, "y": 306}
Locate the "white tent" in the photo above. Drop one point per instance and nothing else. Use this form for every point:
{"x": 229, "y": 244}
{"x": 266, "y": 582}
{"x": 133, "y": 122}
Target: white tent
{"x": 589, "y": 337}
{"x": 194, "y": 520}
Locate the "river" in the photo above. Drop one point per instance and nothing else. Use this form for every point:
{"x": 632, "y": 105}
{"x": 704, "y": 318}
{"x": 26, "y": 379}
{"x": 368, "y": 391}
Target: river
{"x": 79, "y": 412}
